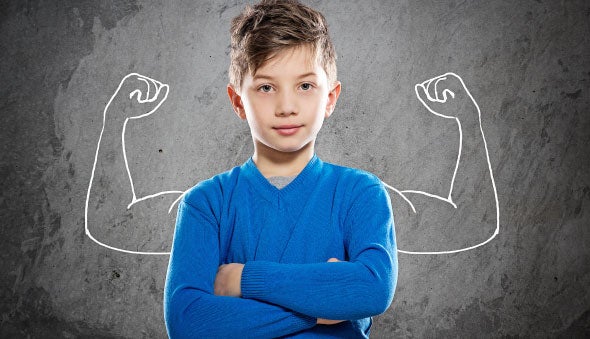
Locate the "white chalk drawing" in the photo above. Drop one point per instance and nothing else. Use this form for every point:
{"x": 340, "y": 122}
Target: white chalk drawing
{"x": 150, "y": 95}
{"x": 429, "y": 92}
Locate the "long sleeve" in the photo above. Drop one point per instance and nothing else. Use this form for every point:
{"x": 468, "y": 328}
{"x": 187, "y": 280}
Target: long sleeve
{"x": 362, "y": 286}
{"x": 191, "y": 309}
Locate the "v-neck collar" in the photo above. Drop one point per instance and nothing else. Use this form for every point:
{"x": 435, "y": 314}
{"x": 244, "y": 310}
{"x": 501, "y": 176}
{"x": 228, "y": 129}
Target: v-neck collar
{"x": 299, "y": 187}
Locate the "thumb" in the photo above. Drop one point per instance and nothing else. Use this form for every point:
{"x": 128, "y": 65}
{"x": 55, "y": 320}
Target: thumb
{"x": 333, "y": 260}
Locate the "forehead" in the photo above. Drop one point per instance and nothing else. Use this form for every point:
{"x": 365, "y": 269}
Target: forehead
{"x": 291, "y": 61}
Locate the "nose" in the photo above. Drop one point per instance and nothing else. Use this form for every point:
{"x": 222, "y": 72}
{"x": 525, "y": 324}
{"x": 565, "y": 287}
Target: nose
{"x": 286, "y": 104}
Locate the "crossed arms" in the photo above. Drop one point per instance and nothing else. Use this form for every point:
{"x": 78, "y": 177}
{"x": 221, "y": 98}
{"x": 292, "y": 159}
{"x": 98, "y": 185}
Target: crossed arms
{"x": 269, "y": 299}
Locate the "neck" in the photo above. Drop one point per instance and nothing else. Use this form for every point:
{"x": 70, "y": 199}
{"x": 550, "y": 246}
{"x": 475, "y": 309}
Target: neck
{"x": 271, "y": 162}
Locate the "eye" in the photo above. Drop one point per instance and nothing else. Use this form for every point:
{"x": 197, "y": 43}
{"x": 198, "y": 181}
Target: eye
{"x": 265, "y": 88}
{"x": 306, "y": 86}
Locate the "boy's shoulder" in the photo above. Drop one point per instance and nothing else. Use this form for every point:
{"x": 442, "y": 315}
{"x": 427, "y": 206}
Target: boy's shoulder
{"x": 213, "y": 187}
{"x": 352, "y": 175}
{"x": 357, "y": 186}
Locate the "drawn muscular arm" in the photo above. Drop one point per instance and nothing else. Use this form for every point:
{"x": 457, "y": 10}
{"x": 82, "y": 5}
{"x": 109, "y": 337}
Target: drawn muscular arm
{"x": 467, "y": 216}
{"x": 115, "y": 217}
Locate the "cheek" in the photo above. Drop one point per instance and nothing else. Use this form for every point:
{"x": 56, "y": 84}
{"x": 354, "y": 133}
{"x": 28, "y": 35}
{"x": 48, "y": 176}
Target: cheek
{"x": 249, "y": 104}
{"x": 259, "y": 105}
{"x": 316, "y": 101}
{"x": 319, "y": 112}
{"x": 320, "y": 105}
{"x": 250, "y": 107}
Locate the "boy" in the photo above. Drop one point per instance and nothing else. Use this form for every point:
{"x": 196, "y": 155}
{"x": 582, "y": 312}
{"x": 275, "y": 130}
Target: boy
{"x": 284, "y": 245}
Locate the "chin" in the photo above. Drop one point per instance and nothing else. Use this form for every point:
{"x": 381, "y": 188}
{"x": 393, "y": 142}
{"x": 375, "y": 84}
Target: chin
{"x": 289, "y": 149}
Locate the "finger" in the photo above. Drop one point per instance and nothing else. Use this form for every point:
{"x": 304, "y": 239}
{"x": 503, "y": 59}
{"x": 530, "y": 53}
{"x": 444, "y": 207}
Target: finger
{"x": 436, "y": 90}
{"x": 146, "y": 97}
{"x": 160, "y": 91}
{"x": 432, "y": 105}
{"x": 146, "y": 94}
{"x": 140, "y": 88}
{"x": 429, "y": 90}
{"x": 333, "y": 260}
{"x": 440, "y": 88}
{"x": 157, "y": 88}
{"x": 441, "y": 95}
{"x": 421, "y": 92}
{"x": 146, "y": 88}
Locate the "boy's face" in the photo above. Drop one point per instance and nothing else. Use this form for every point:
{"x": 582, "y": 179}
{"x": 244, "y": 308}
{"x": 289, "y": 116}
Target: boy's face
{"x": 286, "y": 101}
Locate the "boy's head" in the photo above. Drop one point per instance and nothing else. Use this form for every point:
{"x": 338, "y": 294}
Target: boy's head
{"x": 282, "y": 77}
{"x": 263, "y": 31}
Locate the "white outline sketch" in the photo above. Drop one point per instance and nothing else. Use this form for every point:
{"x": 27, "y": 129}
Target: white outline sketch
{"x": 141, "y": 98}
{"x": 439, "y": 97}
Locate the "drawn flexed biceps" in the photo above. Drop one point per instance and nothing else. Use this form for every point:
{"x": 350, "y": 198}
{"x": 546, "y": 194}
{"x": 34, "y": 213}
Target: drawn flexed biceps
{"x": 138, "y": 96}
{"x": 446, "y": 96}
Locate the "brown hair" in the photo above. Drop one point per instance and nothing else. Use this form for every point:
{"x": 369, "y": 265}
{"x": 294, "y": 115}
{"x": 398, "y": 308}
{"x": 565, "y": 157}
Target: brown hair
{"x": 262, "y": 31}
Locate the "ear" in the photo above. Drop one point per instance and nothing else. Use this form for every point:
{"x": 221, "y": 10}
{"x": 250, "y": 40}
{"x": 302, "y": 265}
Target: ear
{"x": 333, "y": 98}
{"x": 236, "y": 102}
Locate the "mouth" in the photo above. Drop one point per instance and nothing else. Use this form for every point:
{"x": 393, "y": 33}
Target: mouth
{"x": 287, "y": 129}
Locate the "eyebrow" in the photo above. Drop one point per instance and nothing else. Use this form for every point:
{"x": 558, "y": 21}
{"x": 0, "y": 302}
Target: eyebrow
{"x": 264, "y": 76}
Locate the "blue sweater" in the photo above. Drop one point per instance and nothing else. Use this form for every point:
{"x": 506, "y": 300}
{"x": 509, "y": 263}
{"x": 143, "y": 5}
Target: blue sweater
{"x": 284, "y": 237}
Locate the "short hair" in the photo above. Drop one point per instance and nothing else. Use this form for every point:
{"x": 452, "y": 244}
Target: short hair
{"x": 262, "y": 31}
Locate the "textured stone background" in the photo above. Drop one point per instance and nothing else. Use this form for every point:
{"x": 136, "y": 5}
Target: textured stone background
{"x": 527, "y": 63}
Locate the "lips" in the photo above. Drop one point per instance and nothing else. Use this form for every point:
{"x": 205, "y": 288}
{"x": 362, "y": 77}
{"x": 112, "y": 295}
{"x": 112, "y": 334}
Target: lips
{"x": 287, "y": 129}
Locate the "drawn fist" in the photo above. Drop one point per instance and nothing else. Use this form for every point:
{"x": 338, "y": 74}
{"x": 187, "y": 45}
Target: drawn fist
{"x": 447, "y": 96}
{"x": 137, "y": 96}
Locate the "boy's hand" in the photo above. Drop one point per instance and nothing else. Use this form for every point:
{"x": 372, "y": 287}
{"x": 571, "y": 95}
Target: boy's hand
{"x": 228, "y": 280}
{"x": 328, "y": 321}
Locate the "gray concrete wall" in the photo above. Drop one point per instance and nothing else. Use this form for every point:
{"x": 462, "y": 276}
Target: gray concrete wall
{"x": 526, "y": 63}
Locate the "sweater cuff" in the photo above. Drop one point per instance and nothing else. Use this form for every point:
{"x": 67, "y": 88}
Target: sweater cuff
{"x": 253, "y": 284}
